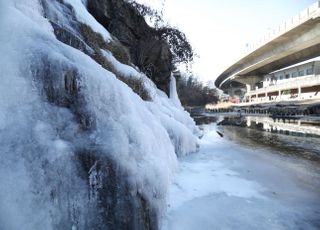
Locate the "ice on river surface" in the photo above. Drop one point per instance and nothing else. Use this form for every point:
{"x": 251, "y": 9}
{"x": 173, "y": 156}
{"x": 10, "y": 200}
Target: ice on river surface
{"x": 229, "y": 186}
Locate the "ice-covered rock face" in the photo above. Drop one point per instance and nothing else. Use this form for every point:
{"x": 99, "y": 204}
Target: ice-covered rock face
{"x": 78, "y": 148}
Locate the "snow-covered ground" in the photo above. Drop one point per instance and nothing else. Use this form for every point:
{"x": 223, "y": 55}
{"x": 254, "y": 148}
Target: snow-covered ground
{"x": 229, "y": 186}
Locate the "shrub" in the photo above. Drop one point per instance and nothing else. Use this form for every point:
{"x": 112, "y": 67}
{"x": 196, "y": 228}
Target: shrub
{"x": 137, "y": 85}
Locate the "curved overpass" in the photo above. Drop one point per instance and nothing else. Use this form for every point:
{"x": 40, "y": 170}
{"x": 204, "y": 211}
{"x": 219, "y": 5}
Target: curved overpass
{"x": 295, "y": 41}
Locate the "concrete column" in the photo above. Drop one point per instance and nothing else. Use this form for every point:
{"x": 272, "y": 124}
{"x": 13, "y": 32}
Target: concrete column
{"x": 279, "y": 95}
{"x": 248, "y": 88}
{"x": 299, "y": 92}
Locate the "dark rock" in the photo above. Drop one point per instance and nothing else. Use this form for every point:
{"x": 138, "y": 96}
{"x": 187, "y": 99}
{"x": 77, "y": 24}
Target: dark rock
{"x": 60, "y": 84}
{"x": 122, "y": 207}
{"x": 147, "y": 51}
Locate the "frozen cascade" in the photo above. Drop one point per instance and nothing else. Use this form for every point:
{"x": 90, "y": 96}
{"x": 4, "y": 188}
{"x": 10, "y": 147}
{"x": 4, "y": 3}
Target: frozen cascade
{"x": 173, "y": 91}
{"x": 78, "y": 148}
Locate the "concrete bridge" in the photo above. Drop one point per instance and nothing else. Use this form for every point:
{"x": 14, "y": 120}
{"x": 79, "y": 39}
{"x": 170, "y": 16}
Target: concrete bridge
{"x": 297, "y": 40}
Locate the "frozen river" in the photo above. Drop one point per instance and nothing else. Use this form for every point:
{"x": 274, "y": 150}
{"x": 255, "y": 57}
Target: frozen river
{"x": 233, "y": 183}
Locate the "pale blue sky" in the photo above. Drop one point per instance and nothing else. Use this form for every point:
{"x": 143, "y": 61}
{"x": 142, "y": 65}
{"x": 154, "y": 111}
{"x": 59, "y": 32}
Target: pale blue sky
{"x": 220, "y": 29}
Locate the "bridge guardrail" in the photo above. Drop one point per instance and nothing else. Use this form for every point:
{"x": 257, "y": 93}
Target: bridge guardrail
{"x": 304, "y": 15}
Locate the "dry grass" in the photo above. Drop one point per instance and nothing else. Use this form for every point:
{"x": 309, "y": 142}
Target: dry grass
{"x": 137, "y": 85}
{"x": 96, "y": 42}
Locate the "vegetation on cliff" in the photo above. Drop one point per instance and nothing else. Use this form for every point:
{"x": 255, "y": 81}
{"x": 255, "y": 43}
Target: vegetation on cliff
{"x": 157, "y": 50}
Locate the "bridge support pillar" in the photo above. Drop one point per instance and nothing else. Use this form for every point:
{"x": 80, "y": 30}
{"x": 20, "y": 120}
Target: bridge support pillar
{"x": 279, "y": 95}
{"x": 248, "y": 88}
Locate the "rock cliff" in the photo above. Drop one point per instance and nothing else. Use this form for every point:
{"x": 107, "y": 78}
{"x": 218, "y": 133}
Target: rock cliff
{"x": 147, "y": 51}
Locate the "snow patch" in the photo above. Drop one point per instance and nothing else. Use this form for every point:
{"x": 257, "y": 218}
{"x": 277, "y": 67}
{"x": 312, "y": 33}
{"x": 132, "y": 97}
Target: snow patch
{"x": 125, "y": 70}
{"x": 85, "y": 17}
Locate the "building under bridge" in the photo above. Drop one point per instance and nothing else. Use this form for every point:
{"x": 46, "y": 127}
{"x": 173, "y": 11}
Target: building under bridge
{"x": 300, "y": 82}
{"x": 265, "y": 75}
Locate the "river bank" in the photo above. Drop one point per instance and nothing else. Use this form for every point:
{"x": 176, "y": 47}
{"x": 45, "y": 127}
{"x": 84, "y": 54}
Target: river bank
{"x": 281, "y": 109}
{"x": 235, "y": 184}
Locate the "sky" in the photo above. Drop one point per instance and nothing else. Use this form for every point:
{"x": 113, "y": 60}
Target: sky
{"x": 220, "y": 29}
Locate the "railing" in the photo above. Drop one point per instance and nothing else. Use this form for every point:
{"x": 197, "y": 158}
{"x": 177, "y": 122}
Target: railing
{"x": 294, "y": 127}
{"x": 289, "y": 84}
{"x": 308, "y": 13}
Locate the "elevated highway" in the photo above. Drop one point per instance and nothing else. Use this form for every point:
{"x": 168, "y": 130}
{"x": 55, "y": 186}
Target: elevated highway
{"x": 297, "y": 40}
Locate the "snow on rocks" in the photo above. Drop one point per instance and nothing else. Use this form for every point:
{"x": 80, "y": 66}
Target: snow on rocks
{"x": 85, "y": 17}
{"x": 181, "y": 128}
{"x": 143, "y": 137}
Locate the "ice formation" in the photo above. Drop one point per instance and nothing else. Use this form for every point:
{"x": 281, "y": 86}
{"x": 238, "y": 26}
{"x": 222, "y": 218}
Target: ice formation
{"x": 57, "y": 105}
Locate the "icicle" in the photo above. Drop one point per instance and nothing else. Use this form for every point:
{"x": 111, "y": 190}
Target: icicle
{"x": 173, "y": 92}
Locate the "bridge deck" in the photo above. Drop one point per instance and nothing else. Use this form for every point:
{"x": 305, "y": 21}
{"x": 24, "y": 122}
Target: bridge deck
{"x": 295, "y": 41}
